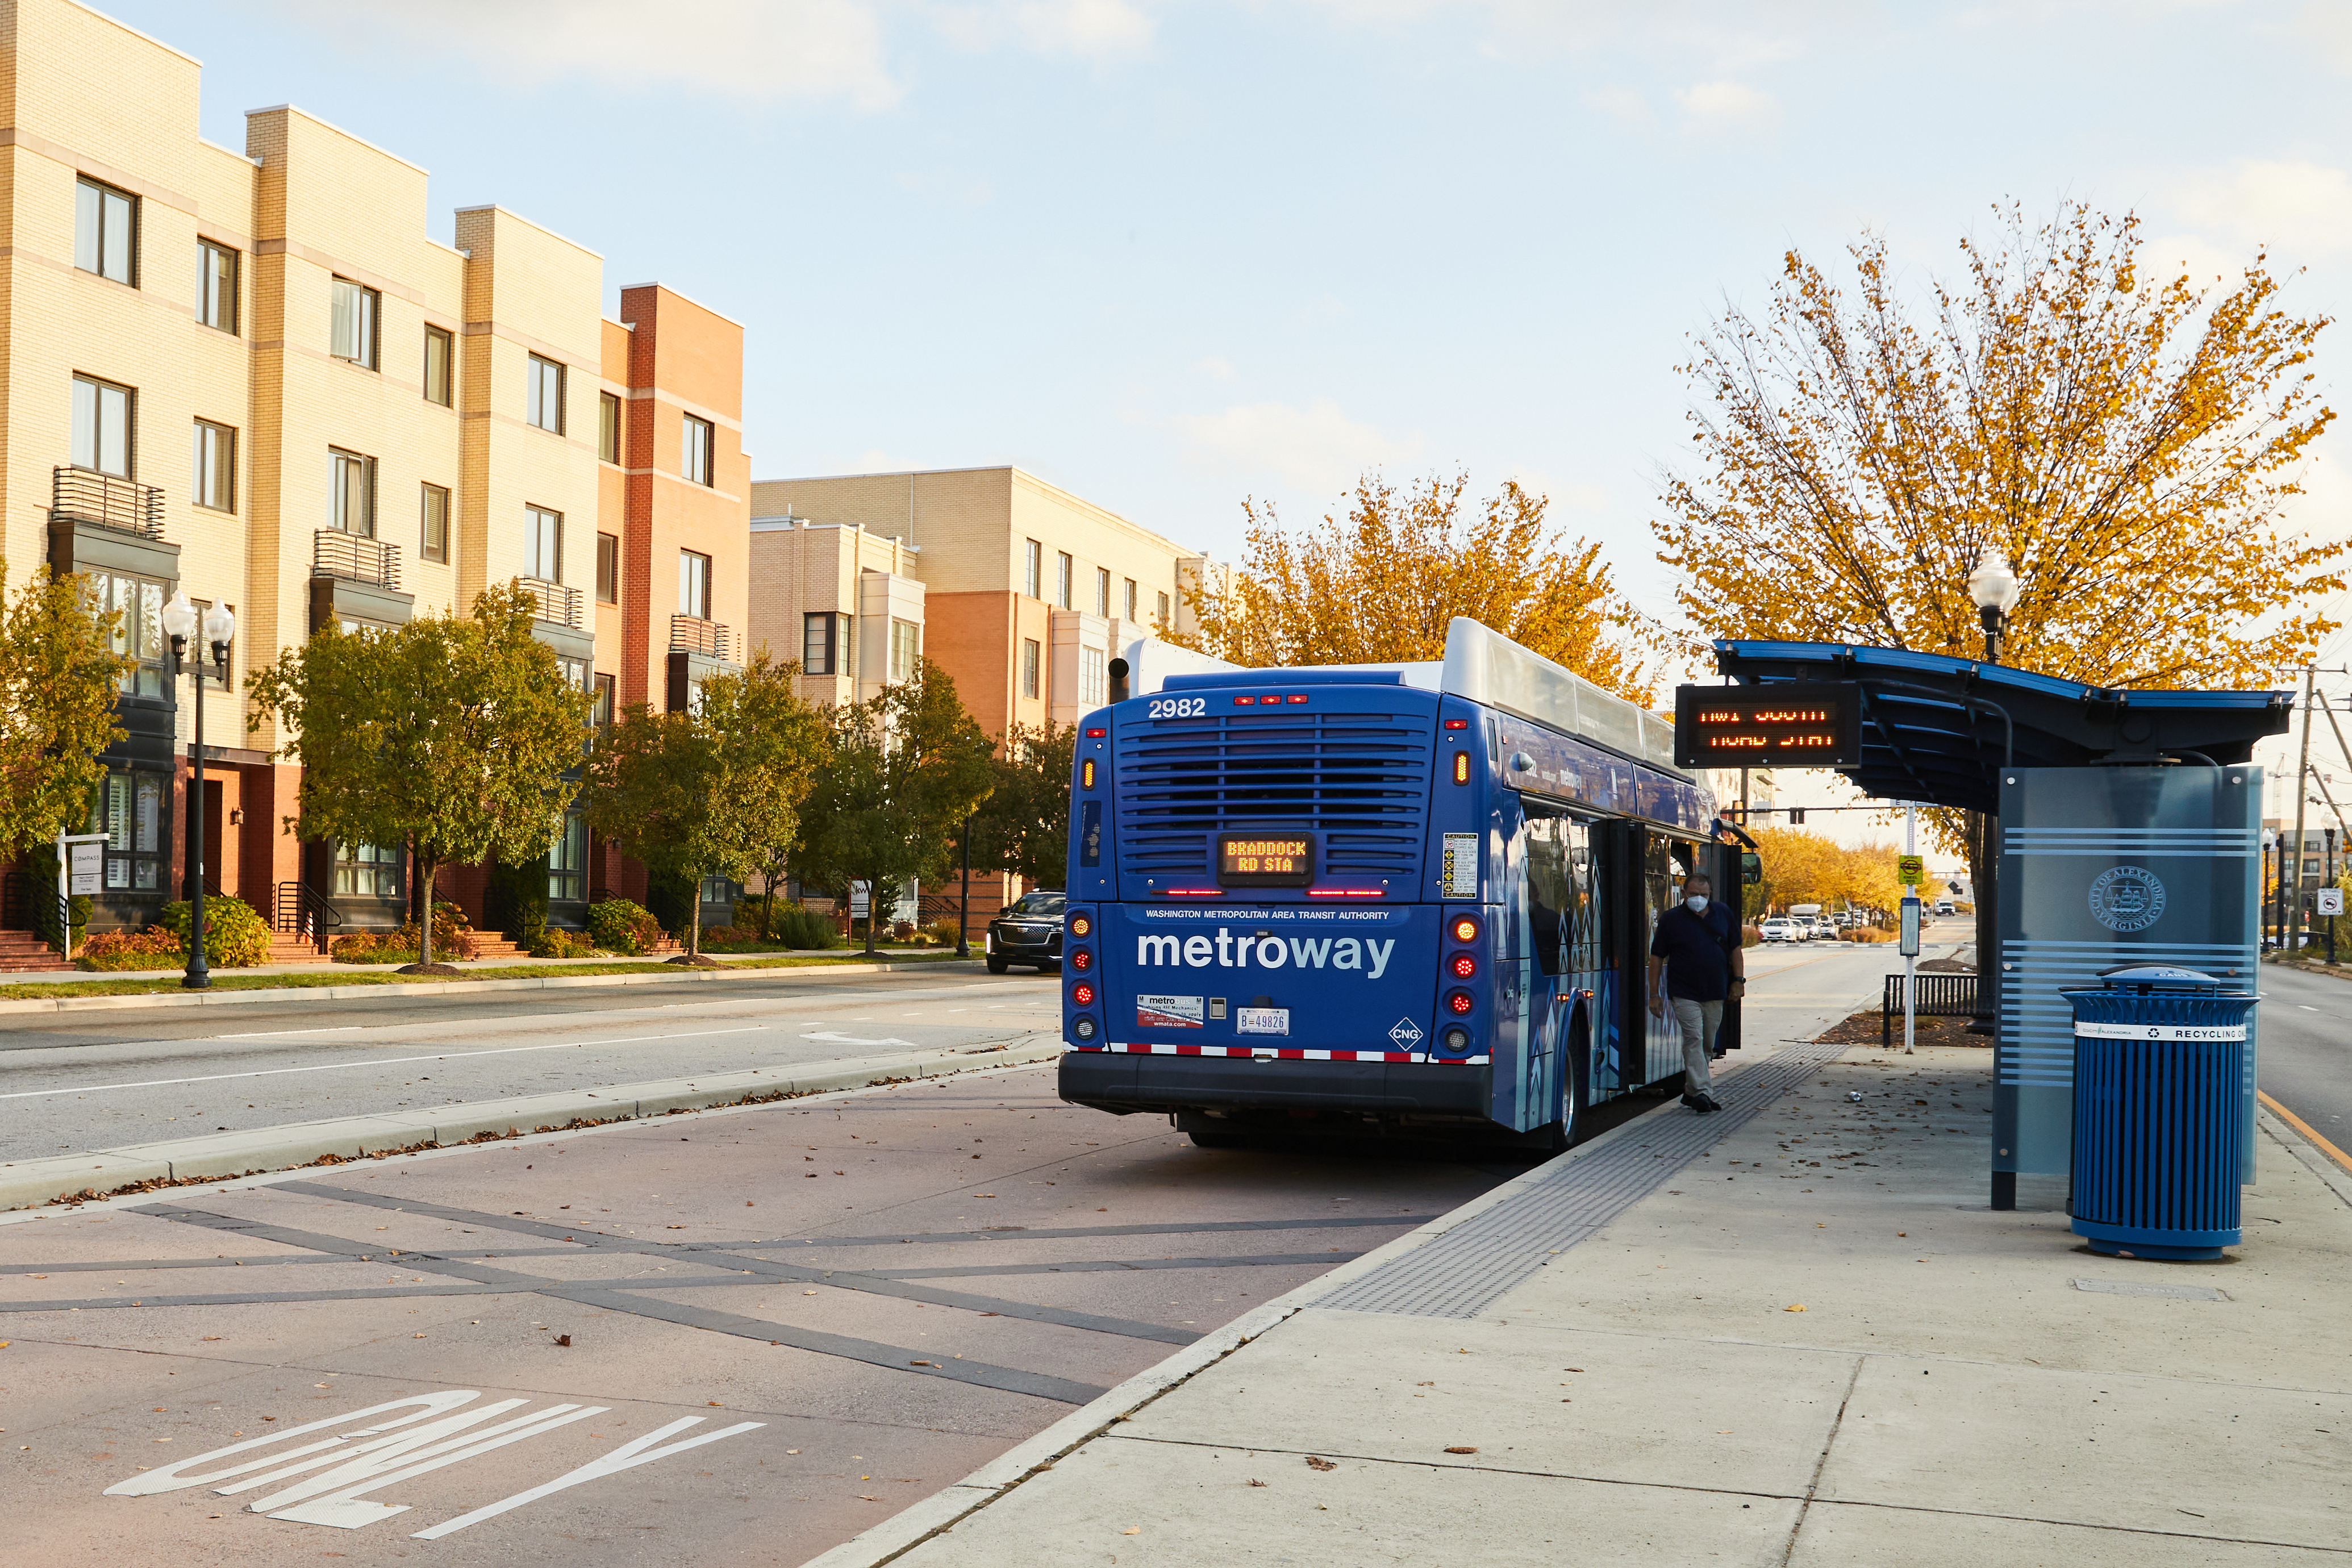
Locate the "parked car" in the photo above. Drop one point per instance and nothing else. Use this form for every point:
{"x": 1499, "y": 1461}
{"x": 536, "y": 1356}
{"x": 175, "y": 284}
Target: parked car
{"x": 1780, "y": 928}
{"x": 1825, "y": 927}
{"x": 1028, "y": 932}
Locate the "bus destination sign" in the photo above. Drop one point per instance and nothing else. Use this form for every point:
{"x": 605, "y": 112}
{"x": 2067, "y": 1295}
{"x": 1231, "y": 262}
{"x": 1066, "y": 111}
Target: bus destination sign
{"x": 1265, "y": 860}
{"x": 1798, "y": 724}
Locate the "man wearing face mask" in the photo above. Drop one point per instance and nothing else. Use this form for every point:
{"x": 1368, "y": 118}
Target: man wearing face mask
{"x": 1696, "y": 961}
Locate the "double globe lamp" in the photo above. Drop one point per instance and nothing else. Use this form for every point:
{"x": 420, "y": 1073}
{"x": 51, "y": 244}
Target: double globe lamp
{"x": 220, "y": 631}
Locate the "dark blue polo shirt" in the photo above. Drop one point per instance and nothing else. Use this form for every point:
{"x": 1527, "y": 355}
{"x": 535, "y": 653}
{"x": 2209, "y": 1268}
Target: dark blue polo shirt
{"x": 1697, "y": 950}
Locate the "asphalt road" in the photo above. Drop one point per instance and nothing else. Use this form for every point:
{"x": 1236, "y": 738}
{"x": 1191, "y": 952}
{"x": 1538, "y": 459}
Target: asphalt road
{"x": 2304, "y": 1059}
{"x": 103, "y": 1079}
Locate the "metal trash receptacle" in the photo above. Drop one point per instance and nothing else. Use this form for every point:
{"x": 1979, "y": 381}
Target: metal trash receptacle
{"x": 2159, "y": 1112}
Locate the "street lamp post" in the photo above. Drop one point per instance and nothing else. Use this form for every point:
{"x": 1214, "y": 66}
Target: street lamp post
{"x": 219, "y": 629}
{"x": 1993, "y": 587}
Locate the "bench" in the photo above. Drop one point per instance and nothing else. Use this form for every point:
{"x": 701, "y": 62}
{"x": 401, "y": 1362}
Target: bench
{"x": 1936, "y": 997}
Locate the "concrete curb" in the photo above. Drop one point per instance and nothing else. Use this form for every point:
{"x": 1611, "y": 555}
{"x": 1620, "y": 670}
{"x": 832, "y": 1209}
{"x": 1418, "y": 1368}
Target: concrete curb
{"x": 910, "y": 1527}
{"x": 2306, "y": 1154}
{"x": 28, "y": 1183}
{"x": 453, "y": 987}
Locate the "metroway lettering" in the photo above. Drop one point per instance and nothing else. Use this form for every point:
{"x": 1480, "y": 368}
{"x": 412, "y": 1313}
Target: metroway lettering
{"x": 1230, "y": 952}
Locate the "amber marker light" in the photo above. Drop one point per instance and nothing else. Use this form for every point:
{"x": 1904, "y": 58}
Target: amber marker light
{"x": 1466, "y": 929}
{"x": 1080, "y": 925}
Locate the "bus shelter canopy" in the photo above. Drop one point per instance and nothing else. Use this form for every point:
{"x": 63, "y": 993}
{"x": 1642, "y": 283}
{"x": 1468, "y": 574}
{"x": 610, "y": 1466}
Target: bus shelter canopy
{"x": 1937, "y": 730}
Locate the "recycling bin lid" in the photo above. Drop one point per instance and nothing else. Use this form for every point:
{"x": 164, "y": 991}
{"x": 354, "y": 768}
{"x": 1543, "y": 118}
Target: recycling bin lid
{"x": 2148, "y": 977}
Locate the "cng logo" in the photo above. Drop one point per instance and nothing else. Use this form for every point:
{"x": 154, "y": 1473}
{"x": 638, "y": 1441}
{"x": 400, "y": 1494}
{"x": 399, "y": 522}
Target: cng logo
{"x": 2127, "y": 898}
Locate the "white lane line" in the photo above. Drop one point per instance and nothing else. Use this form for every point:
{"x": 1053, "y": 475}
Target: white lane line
{"x": 374, "y": 1062}
{"x": 272, "y": 1033}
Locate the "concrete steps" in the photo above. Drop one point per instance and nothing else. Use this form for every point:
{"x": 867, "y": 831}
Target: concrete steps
{"x": 22, "y": 952}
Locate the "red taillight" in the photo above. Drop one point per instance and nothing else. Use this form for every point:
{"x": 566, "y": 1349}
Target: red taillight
{"x": 1097, "y": 735}
{"x": 1458, "y": 1002}
{"x": 1461, "y": 767}
{"x": 1245, "y": 701}
{"x": 1457, "y": 723}
{"x": 1272, "y": 700}
{"x": 1465, "y": 928}
{"x": 1301, "y": 697}
{"x": 1083, "y": 994}
{"x": 1463, "y": 965}
{"x": 1081, "y": 960}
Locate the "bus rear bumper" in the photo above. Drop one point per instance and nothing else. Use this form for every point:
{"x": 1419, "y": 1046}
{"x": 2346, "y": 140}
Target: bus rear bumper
{"x": 1125, "y": 1083}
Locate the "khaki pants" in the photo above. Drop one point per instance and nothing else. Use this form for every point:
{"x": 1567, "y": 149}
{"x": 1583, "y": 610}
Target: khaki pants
{"x": 1699, "y": 1021}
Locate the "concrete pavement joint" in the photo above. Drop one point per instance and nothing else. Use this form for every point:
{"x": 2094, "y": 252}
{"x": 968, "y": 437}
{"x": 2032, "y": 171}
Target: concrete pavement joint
{"x": 1821, "y": 1460}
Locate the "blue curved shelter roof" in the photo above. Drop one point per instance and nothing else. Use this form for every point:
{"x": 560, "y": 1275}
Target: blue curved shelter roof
{"x": 1937, "y": 728}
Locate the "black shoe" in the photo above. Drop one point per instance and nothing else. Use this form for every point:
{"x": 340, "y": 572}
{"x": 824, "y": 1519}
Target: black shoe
{"x": 1693, "y": 1101}
{"x": 1706, "y": 1104}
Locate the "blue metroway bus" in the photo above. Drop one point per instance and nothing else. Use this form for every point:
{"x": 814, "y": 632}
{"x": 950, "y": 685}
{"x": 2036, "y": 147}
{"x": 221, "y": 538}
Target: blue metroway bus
{"x": 1408, "y": 898}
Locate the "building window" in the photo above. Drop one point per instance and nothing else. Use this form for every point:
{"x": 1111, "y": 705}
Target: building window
{"x": 906, "y": 648}
{"x": 600, "y": 712}
{"x": 440, "y": 349}
{"x": 1033, "y": 578}
{"x": 130, "y": 811}
{"x": 1031, "y": 656}
{"x": 215, "y": 466}
{"x": 137, "y": 602}
{"x": 608, "y": 427}
{"x": 368, "y": 871}
{"x": 101, "y": 427}
{"x": 106, "y": 232}
{"x": 357, "y": 309}
{"x": 694, "y": 459}
{"x": 216, "y": 286}
{"x": 1062, "y": 579}
{"x": 694, "y": 584}
{"x": 1130, "y": 598}
{"x": 1164, "y": 610}
{"x": 819, "y": 651}
{"x": 1102, "y": 593}
{"x": 354, "y": 493}
{"x": 545, "y": 399}
{"x": 608, "y": 568}
{"x": 567, "y": 862}
{"x": 434, "y": 546}
{"x": 1090, "y": 677}
{"x": 545, "y": 545}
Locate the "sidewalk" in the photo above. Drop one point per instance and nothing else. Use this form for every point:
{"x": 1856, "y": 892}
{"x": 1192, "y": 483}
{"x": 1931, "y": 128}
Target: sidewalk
{"x": 1790, "y": 1333}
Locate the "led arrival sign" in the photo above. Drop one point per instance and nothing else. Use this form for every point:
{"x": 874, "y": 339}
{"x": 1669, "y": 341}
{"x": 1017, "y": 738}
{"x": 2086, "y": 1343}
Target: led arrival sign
{"x": 1796, "y": 724}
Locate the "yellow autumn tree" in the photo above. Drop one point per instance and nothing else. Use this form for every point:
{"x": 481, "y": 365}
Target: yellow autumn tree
{"x": 1381, "y": 586}
{"x": 1806, "y": 868}
{"x": 2129, "y": 439}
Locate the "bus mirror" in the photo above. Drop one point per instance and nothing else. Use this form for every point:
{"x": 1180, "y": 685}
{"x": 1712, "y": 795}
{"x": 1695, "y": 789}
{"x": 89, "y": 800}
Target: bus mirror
{"x": 1751, "y": 868}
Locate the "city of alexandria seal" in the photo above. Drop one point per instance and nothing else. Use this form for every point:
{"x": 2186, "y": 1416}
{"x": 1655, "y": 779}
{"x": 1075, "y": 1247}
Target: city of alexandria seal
{"x": 2127, "y": 898}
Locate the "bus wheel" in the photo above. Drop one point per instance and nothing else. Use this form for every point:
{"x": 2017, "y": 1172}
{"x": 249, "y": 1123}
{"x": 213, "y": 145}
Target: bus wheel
{"x": 1206, "y": 1133}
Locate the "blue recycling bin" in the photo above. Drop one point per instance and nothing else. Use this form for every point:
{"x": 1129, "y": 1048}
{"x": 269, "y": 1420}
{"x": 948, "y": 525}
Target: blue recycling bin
{"x": 2159, "y": 1112}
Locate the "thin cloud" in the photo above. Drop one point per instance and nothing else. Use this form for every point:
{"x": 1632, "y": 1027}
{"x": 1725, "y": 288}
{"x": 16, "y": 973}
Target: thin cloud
{"x": 2303, "y": 211}
{"x": 1716, "y": 106}
{"x": 1316, "y": 447}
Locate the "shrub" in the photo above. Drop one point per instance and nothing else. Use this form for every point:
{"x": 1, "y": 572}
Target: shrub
{"x": 370, "y": 947}
{"x": 153, "y": 948}
{"x": 620, "y": 926}
{"x": 943, "y": 932}
{"x": 452, "y": 935}
{"x": 235, "y": 937}
{"x": 1867, "y": 934}
{"x": 901, "y": 930}
{"x": 731, "y": 935}
{"x": 556, "y": 943}
{"x": 795, "y": 927}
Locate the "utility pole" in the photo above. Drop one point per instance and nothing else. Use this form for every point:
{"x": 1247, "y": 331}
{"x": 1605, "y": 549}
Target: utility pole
{"x": 2302, "y": 770}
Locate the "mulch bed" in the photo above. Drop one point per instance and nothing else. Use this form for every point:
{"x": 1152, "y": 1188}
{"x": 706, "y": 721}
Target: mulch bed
{"x": 1862, "y": 1030}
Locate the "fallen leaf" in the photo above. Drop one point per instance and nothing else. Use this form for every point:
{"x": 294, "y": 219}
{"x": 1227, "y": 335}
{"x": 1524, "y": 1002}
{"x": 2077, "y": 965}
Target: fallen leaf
{"x": 862, "y": 1498}
{"x": 808, "y": 1292}
{"x": 1313, "y": 1463}
{"x": 564, "y": 1341}
{"x": 1258, "y": 1483}
{"x": 1796, "y": 1307}
{"x": 416, "y": 1336}
{"x": 1460, "y": 1448}
{"x": 1132, "y": 1530}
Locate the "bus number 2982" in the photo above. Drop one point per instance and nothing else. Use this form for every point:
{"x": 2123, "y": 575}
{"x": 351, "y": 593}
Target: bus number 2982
{"x": 1179, "y": 707}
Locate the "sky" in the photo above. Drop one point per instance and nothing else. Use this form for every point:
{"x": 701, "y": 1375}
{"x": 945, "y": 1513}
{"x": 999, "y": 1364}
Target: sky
{"x": 1172, "y": 254}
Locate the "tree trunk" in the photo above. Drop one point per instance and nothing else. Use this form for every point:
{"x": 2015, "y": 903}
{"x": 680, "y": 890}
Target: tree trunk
{"x": 424, "y": 869}
{"x": 694, "y": 920}
{"x": 873, "y": 903}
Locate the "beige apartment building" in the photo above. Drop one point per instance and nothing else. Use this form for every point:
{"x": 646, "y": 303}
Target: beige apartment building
{"x": 253, "y": 375}
{"x": 1018, "y": 589}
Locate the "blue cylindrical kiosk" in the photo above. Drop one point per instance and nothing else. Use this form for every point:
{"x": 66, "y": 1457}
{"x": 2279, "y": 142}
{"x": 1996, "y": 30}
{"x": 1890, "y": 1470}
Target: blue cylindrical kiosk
{"x": 2159, "y": 1112}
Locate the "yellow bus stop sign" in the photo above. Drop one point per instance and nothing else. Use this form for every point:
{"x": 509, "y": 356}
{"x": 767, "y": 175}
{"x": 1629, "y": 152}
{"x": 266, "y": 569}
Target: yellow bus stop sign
{"x": 1911, "y": 869}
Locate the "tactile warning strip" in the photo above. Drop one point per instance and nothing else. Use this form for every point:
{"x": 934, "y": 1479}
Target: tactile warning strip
{"x": 1460, "y": 1273}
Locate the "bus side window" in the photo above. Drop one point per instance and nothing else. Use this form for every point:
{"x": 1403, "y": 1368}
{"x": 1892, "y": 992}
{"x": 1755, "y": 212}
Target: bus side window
{"x": 1557, "y": 862}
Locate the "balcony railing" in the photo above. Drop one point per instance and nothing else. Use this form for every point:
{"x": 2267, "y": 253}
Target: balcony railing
{"x": 692, "y": 634}
{"x": 335, "y": 553}
{"x": 85, "y": 495}
{"x": 556, "y": 602}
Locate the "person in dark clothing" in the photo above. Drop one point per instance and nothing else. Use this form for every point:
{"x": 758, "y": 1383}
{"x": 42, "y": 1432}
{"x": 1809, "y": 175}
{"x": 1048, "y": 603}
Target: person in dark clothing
{"x": 1695, "y": 962}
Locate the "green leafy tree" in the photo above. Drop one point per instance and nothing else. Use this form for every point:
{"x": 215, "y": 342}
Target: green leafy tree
{"x": 713, "y": 791}
{"x": 1023, "y": 825}
{"x": 59, "y": 677}
{"x": 905, "y": 768}
{"x": 450, "y": 735}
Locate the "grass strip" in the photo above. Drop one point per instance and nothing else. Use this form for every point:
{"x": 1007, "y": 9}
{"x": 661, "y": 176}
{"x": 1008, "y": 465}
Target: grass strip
{"x": 165, "y": 986}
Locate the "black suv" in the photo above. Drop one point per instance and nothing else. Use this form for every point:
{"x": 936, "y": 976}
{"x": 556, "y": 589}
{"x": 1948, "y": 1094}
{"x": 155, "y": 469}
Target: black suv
{"x": 1028, "y": 932}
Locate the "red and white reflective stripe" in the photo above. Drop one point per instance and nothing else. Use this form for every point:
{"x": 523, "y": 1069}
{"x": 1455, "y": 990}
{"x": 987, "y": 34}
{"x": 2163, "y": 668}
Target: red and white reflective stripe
{"x": 1284, "y": 1055}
